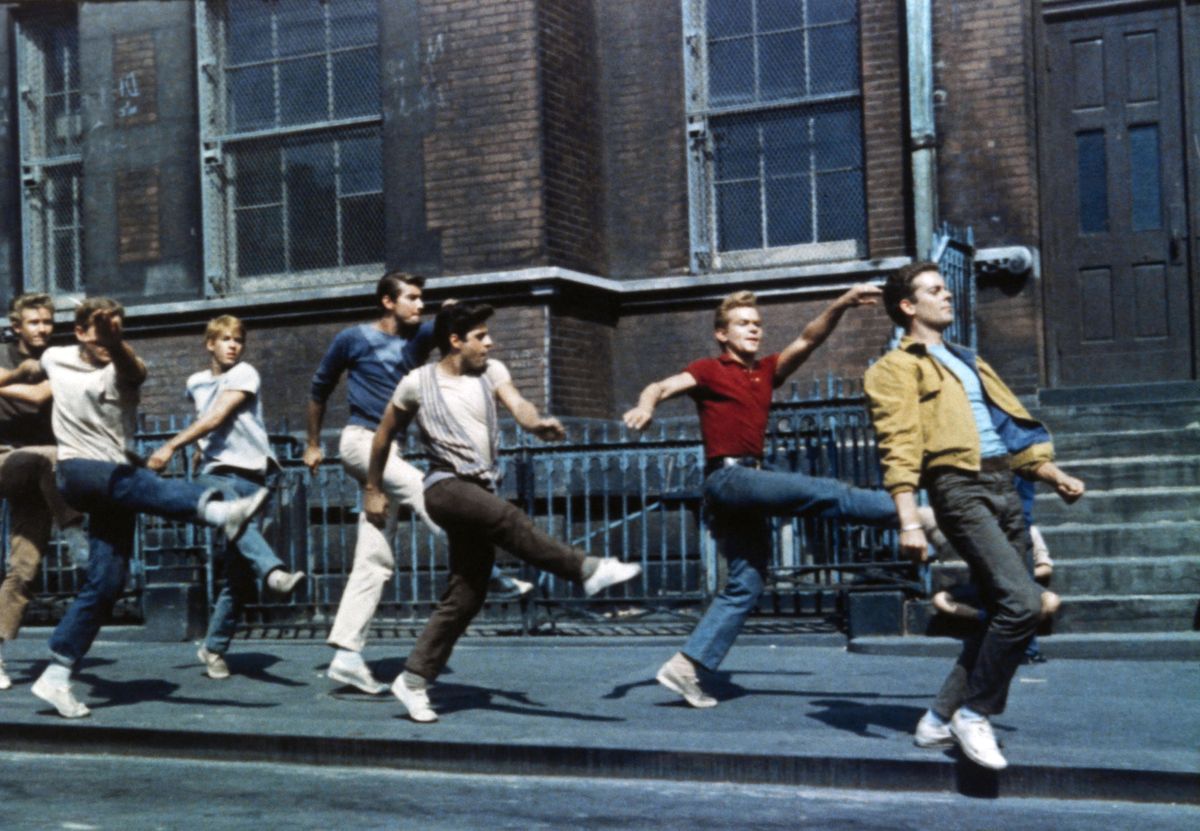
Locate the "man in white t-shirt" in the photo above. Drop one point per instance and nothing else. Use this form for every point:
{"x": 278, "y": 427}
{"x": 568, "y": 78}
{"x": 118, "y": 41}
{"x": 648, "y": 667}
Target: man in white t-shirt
{"x": 95, "y": 385}
{"x": 454, "y": 402}
{"x": 236, "y": 458}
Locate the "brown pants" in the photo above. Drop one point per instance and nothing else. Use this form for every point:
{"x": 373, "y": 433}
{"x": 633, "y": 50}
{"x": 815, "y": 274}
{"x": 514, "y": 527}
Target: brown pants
{"x": 27, "y": 482}
{"x": 475, "y": 520}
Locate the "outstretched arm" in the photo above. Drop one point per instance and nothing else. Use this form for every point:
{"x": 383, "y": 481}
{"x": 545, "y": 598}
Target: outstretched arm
{"x": 222, "y": 410}
{"x": 815, "y": 333}
{"x": 109, "y": 334}
{"x": 375, "y": 503}
{"x": 640, "y": 416}
{"x": 527, "y": 415}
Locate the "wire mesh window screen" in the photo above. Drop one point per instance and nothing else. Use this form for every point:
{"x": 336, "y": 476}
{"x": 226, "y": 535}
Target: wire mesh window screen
{"x": 781, "y": 106}
{"x": 51, "y": 121}
{"x": 298, "y": 116}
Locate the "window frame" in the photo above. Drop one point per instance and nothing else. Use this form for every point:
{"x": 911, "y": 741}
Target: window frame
{"x": 218, "y": 147}
{"x": 700, "y": 113}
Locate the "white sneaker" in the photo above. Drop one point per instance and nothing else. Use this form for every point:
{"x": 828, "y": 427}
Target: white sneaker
{"x": 355, "y": 676}
{"x": 413, "y": 692}
{"x": 679, "y": 676}
{"x": 76, "y": 541}
{"x": 5, "y": 681}
{"x": 61, "y": 698}
{"x": 1043, "y": 566}
{"x": 609, "y": 572}
{"x": 284, "y": 582}
{"x": 241, "y": 511}
{"x": 505, "y": 586}
{"x": 214, "y": 664}
{"x": 978, "y": 742}
{"x": 932, "y": 732}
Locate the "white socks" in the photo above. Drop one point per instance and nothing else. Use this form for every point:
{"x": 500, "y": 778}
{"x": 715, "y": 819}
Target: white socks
{"x": 215, "y": 512}
{"x": 57, "y": 675}
{"x": 348, "y": 659}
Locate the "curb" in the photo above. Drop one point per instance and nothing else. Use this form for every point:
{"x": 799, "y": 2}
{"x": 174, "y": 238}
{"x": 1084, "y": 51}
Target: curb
{"x": 946, "y": 774}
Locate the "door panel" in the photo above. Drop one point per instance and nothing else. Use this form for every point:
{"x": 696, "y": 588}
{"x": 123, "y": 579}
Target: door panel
{"x": 1114, "y": 211}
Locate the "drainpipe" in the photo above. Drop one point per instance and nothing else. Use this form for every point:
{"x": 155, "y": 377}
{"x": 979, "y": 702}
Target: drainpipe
{"x": 922, "y": 132}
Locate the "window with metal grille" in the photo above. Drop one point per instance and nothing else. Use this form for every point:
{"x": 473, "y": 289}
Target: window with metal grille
{"x": 291, "y": 145}
{"x": 51, "y": 136}
{"x": 775, "y": 131}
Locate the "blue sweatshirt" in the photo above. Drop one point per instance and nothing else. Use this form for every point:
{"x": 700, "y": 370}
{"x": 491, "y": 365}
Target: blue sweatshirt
{"x": 374, "y": 363}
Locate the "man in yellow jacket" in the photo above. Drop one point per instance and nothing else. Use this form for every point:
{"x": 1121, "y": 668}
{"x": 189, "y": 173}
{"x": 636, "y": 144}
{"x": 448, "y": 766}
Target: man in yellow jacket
{"x": 946, "y": 422}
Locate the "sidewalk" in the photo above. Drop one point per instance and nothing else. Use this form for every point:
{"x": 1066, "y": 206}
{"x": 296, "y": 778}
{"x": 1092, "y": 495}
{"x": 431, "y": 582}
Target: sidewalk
{"x": 790, "y": 713}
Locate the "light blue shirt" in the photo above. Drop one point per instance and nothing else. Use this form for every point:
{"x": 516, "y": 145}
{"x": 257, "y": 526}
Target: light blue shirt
{"x": 990, "y": 443}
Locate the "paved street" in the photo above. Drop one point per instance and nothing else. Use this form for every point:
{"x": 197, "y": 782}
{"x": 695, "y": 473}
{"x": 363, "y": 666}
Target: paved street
{"x": 83, "y": 793}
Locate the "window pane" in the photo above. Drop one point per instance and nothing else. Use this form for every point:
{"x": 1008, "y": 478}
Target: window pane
{"x": 841, "y": 214}
{"x": 789, "y": 211}
{"x": 731, "y": 71}
{"x": 1145, "y": 178}
{"x": 832, "y": 11}
{"x": 353, "y": 23}
{"x": 838, "y": 137}
{"x": 312, "y": 206}
{"x": 251, "y": 94}
{"x": 1092, "y": 174}
{"x": 259, "y": 180}
{"x": 64, "y": 260}
{"x": 301, "y": 27}
{"x": 739, "y": 218}
{"x": 834, "y": 59}
{"x": 782, "y": 66}
{"x": 62, "y": 59}
{"x": 362, "y": 229}
{"x": 786, "y": 146}
{"x": 736, "y": 150}
{"x": 356, "y": 83}
{"x": 248, "y": 31}
{"x": 728, "y": 17}
{"x": 780, "y": 14}
{"x": 303, "y": 94}
{"x": 259, "y": 241}
{"x": 361, "y": 165}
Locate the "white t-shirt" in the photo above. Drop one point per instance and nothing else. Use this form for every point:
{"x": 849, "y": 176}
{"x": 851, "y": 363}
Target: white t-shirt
{"x": 241, "y": 441}
{"x": 464, "y": 399}
{"x": 94, "y": 414}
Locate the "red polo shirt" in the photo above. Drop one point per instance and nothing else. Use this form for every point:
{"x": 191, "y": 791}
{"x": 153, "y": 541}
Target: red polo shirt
{"x": 733, "y": 401}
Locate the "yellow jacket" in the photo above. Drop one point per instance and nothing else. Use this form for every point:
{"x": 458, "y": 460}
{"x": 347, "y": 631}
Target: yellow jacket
{"x": 923, "y": 418}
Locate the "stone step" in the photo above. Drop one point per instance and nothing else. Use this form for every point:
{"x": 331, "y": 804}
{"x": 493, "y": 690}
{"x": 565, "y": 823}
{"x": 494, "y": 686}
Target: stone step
{"x": 1076, "y": 540}
{"x": 1107, "y": 444}
{"x": 1128, "y": 613}
{"x": 1120, "y": 505}
{"x": 1167, "y": 471}
{"x": 1102, "y": 576}
{"x": 1100, "y": 418}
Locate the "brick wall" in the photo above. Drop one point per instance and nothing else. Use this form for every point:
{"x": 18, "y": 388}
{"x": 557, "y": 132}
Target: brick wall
{"x": 571, "y": 135}
{"x": 987, "y": 161}
{"x": 581, "y": 360}
{"x": 885, "y": 133}
{"x": 641, "y": 112}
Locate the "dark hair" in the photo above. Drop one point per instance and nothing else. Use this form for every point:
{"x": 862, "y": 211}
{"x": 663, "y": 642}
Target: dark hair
{"x": 899, "y": 287}
{"x": 391, "y": 284}
{"x": 85, "y": 310}
{"x": 458, "y": 319}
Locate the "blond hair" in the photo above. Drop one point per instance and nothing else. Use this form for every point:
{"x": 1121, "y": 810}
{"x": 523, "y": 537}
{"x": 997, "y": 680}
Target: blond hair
{"x": 220, "y": 325}
{"x": 28, "y": 301}
{"x": 737, "y": 300}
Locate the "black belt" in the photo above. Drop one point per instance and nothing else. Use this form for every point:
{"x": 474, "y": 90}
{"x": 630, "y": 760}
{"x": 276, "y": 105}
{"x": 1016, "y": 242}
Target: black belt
{"x": 718, "y": 462}
{"x": 242, "y": 473}
{"x": 994, "y": 464}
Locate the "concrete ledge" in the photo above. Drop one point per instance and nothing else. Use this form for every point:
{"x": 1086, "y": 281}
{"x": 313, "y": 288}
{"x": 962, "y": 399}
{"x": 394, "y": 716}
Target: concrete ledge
{"x": 949, "y": 774}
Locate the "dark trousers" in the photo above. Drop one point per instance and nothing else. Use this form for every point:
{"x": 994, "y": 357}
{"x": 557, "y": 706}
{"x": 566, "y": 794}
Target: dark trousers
{"x": 476, "y": 520}
{"x": 980, "y": 514}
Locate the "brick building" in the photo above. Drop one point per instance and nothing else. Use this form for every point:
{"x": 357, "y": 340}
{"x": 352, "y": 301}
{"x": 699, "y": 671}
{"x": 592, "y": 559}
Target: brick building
{"x": 602, "y": 171}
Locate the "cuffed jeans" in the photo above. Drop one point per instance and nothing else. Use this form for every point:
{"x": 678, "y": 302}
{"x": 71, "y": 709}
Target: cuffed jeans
{"x": 112, "y": 495}
{"x": 374, "y": 560}
{"x": 27, "y": 482}
{"x": 476, "y": 520}
{"x": 741, "y": 500}
{"x": 980, "y": 514}
{"x": 245, "y": 563}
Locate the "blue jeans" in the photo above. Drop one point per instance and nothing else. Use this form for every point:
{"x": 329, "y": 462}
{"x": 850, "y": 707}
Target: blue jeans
{"x": 741, "y": 500}
{"x": 246, "y": 563}
{"x": 112, "y": 495}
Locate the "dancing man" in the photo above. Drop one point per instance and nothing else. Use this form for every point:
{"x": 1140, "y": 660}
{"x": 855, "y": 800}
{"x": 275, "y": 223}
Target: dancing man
{"x": 454, "y": 403}
{"x": 945, "y": 421}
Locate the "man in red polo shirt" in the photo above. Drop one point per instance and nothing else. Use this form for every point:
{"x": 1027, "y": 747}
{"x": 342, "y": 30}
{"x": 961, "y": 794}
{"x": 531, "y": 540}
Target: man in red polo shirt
{"x": 733, "y": 396}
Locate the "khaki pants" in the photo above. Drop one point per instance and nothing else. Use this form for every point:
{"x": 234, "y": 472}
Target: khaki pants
{"x": 27, "y": 482}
